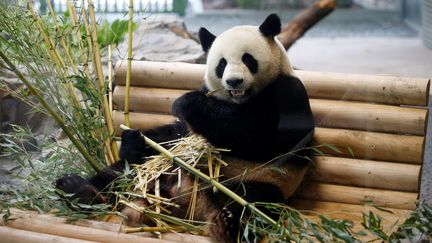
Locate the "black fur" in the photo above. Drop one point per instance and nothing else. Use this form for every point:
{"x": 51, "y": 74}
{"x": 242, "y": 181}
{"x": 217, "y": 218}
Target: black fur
{"x": 220, "y": 68}
{"x": 206, "y": 38}
{"x": 271, "y": 26}
{"x": 250, "y": 62}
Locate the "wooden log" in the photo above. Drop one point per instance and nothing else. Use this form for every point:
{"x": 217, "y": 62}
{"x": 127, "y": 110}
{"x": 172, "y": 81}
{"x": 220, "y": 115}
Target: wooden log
{"x": 142, "y": 121}
{"x": 327, "y": 113}
{"x": 11, "y": 235}
{"x": 147, "y": 99}
{"x": 365, "y": 173}
{"x": 371, "y": 145}
{"x": 367, "y": 145}
{"x": 73, "y": 231}
{"x": 302, "y": 22}
{"x": 108, "y": 226}
{"x": 174, "y": 75}
{"x": 336, "y": 86}
{"x": 357, "y": 195}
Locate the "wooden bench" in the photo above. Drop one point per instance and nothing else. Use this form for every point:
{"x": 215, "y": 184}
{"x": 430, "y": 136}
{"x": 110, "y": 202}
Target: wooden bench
{"x": 377, "y": 122}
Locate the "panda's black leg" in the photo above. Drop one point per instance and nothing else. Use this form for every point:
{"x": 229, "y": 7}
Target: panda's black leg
{"x": 82, "y": 189}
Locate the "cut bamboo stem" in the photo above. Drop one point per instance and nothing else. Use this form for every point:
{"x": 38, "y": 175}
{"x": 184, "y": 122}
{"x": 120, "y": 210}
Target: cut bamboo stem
{"x": 206, "y": 178}
{"x": 337, "y": 86}
{"x": 129, "y": 63}
{"x": 102, "y": 86}
{"x": 62, "y": 40}
{"x": 52, "y": 113}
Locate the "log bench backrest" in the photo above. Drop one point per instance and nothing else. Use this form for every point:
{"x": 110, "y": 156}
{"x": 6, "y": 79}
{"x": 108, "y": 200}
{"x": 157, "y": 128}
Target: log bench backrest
{"x": 377, "y": 122}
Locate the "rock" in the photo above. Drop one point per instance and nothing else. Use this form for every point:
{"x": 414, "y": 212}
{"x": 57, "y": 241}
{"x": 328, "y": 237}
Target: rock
{"x": 161, "y": 38}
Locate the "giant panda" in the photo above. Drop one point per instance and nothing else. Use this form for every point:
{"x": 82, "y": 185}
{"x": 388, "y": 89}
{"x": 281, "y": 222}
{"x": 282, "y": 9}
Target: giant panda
{"x": 258, "y": 109}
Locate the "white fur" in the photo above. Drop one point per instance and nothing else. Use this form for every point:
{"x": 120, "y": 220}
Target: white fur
{"x": 231, "y": 45}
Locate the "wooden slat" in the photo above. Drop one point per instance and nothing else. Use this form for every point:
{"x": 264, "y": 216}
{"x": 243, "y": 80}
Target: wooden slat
{"x": 372, "y": 145}
{"x": 116, "y": 227}
{"x": 369, "y": 117}
{"x": 337, "y": 86}
{"x": 367, "y": 145}
{"x": 172, "y": 75}
{"x": 143, "y": 121}
{"x": 327, "y": 113}
{"x": 11, "y": 235}
{"x": 357, "y": 195}
{"x": 365, "y": 173}
{"x": 147, "y": 99}
{"x": 73, "y": 231}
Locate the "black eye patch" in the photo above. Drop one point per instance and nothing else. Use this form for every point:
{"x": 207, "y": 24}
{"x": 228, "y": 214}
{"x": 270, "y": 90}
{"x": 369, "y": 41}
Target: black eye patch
{"x": 221, "y": 67}
{"x": 250, "y": 62}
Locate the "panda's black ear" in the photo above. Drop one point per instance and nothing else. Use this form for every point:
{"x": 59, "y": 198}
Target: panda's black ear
{"x": 206, "y": 38}
{"x": 271, "y": 26}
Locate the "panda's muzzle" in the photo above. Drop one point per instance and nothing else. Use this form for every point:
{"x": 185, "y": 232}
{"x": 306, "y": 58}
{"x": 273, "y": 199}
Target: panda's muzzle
{"x": 234, "y": 83}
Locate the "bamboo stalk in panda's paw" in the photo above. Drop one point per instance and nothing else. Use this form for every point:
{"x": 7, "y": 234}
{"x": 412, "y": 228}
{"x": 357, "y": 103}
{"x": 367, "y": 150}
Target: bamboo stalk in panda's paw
{"x": 205, "y": 178}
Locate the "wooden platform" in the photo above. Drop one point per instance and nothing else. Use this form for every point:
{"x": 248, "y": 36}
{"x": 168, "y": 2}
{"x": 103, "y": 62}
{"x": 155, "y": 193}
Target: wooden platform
{"x": 378, "y": 122}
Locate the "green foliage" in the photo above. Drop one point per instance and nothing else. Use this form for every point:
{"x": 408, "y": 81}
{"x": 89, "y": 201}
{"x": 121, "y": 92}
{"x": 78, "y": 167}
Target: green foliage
{"x": 112, "y": 33}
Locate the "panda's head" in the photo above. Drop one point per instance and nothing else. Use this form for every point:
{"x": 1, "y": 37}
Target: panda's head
{"x": 243, "y": 60}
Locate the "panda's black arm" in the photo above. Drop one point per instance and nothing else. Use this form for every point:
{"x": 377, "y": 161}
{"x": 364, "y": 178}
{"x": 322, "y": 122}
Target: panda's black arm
{"x": 296, "y": 124}
{"x": 133, "y": 149}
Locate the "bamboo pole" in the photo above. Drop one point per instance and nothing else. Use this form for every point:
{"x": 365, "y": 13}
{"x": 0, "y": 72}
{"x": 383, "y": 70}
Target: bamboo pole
{"x": 129, "y": 63}
{"x": 207, "y": 179}
{"x": 337, "y": 86}
{"x": 62, "y": 40}
{"x": 357, "y": 195}
{"x": 52, "y": 113}
{"x": 102, "y": 86}
{"x": 11, "y": 235}
{"x": 360, "y": 144}
{"x": 52, "y": 50}
{"x": 365, "y": 173}
{"x": 327, "y": 113}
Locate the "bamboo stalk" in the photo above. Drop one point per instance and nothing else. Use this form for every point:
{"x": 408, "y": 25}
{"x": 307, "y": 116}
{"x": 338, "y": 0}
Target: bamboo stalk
{"x": 52, "y": 50}
{"x": 206, "y": 178}
{"x": 129, "y": 65}
{"x": 62, "y": 41}
{"x": 52, "y": 113}
{"x": 8, "y": 234}
{"x": 98, "y": 68}
{"x": 110, "y": 88}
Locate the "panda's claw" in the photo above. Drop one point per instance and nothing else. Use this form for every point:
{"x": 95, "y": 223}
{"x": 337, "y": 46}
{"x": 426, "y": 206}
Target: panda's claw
{"x": 231, "y": 224}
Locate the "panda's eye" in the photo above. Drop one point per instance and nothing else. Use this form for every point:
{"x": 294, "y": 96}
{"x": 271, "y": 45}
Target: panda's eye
{"x": 221, "y": 67}
{"x": 250, "y": 62}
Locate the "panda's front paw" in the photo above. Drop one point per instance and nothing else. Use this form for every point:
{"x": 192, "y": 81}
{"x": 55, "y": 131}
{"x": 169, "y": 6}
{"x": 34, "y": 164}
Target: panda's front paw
{"x": 132, "y": 146}
{"x": 81, "y": 189}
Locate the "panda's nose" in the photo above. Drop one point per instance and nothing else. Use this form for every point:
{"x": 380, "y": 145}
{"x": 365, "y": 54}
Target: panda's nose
{"x": 234, "y": 83}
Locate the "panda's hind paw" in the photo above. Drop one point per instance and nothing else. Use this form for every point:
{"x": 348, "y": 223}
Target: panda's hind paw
{"x": 227, "y": 225}
{"x": 81, "y": 189}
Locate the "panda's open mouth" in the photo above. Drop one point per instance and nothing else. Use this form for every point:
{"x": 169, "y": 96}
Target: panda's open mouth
{"x": 237, "y": 93}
